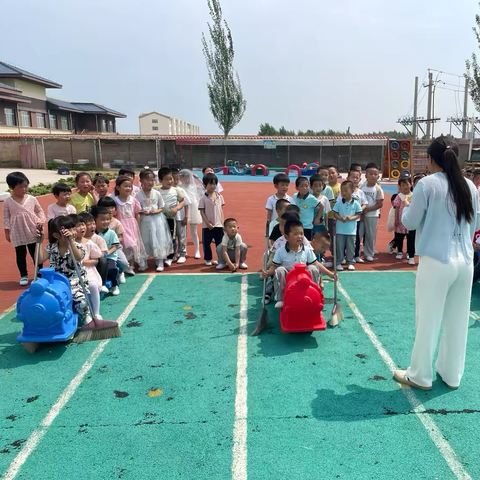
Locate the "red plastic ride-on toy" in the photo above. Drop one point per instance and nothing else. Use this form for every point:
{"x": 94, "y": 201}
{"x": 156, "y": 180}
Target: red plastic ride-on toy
{"x": 303, "y": 302}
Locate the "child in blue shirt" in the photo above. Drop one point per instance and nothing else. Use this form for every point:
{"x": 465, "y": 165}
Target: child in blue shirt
{"x": 311, "y": 209}
{"x": 346, "y": 211}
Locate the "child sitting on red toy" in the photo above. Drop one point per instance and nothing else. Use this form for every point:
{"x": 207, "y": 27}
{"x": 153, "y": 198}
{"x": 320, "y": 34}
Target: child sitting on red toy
{"x": 293, "y": 252}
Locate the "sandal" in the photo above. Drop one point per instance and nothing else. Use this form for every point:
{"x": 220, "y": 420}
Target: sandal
{"x": 401, "y": 377}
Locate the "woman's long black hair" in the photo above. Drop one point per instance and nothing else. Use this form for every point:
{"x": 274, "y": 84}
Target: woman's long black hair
{"x": 445, "y": 154}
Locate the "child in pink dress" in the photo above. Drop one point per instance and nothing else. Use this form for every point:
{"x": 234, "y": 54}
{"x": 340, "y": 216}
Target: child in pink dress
{"x": 22, "y": 217}
{"x": 400, "y": 231}
{"x": 128, "y": 212}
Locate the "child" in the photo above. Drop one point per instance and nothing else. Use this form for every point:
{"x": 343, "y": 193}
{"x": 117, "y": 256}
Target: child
{"x": 128, "y": 172}
{"x": 391, "y": 224}
{"x": 346, "y": 212}
{"x": 311, "y": 210}
{"x": 280, "y": 207}
{"x": 100, "y": 184}
{"x": 281, "y": 183}
{"x": 317, "y": 185}
{"x": 22, "y": 218}
{"x": 102, "y": 220}
{"x": 368, "y": 227}
{"x": 90, "y": 235}
{"x": 211, "y": 209}
{"x": 232, "y": 252}
{"x": 63, "y": 193}
{"x": 400, "y": 230}
{"x": 291, "y": 253}
{"x": 153, "y": 225}
{"x": 128, "y": 212}
{"x": 83, "y": 200}
{"x": 277, "y": 231}
{"x": 111, "y": 205}
{"x": 194, "y": 190}
{"x": 335, "y": 186}
{"x": 89, "y": 262}
{"x": 320, "y": 244}
{"x": 61, "y": 238}
{"x": 209, "y": 169}
{"x": 327, "y": 190}
{"x": 174, "y": 202}
{"x": 181, "y": 220}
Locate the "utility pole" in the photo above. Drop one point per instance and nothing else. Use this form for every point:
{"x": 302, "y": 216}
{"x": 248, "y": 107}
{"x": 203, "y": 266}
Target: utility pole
{"x": 415, "y": 110}
{"x": 465, "y": 110}
{"x": 429, "y": 105}
{"x": 470, "y": 149}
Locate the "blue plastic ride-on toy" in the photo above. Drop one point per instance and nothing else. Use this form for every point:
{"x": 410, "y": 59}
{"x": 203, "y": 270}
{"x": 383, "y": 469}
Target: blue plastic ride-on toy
{"x": 45, "y": 310}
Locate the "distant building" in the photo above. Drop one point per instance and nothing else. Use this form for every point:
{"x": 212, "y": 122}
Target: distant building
{"x": 155, "y": 123}
{"x": 25, "y": 107}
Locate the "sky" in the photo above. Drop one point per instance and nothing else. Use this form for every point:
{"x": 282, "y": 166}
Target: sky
{"x": 308, "y": 64}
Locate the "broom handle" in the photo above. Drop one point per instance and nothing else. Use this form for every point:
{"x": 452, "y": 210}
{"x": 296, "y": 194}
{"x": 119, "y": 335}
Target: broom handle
{"x": 77, "y": 271}
{"x": 38, "y": 243}
{"x": 335, "y": 261}
{"x": 265, "y": 258}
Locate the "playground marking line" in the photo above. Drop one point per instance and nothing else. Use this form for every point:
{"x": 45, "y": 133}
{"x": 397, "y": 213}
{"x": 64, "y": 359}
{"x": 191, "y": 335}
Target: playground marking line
{"x": 239, "y": 448}
{"x": 435, "y": 433}
{"x": 8, "y": 310}
{"x": 37, "y": 435}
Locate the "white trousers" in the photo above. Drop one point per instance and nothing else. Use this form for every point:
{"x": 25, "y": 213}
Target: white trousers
{"x": 443, "y": 293}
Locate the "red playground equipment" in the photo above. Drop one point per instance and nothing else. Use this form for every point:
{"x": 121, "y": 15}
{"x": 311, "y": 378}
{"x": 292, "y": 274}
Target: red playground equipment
{"x": 303, "y": 303}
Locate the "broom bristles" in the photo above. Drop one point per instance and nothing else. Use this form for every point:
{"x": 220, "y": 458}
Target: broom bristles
{"x": 337, "y": 315}
{"x": 98, "y": 334}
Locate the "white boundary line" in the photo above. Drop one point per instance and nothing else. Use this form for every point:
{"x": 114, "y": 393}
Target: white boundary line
{"x": 7, "y": 311}
{"x": 238, "y": 274}
{"x": 37, "y": 435}
{"x": 239, "y": 448}
{"x": 435, "y": 433}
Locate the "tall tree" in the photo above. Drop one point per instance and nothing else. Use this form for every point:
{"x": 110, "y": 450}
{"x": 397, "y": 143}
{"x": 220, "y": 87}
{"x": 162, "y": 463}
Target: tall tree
{"x": 224, "y": 89}
{"x": 473, "y": 69}
{"x": 266, "y": 130}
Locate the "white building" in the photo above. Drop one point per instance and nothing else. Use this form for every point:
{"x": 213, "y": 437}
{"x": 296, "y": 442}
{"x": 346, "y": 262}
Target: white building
{"x": 155, "y": 123}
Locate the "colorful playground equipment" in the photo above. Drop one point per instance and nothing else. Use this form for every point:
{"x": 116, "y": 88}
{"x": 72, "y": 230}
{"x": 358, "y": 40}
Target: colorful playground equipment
{"x": 397, "y": 161}
{"x": 232, "y": 168}
{"x": 307, "y": 170}
{"x": 45, "y": 309}
{"x": 303, "y": 302}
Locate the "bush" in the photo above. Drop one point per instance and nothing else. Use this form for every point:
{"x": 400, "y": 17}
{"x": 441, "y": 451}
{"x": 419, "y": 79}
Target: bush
{"x": 46, "y": 188}
{"x": 52, "y": 165}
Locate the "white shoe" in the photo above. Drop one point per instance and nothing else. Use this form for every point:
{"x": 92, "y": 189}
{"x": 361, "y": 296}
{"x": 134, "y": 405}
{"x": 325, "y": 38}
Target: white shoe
{"x": 359, "y": 260}
{"x": 115, "y": 291}
{"x": 243, "y": 266}
{"x": 214, "y": 262}
{"x": 328, "y": 264}
{"x": 168, "y": 262}
{"x": 344, "y": 262}
{"x": 24, "y": 281}
{"x": 375, "y": 252}
{"x": 208, "y": 263}
{"x": 221, "y": 266}
{"x": 87, "y": 320}
{"x": 279, "y": 304}
{"x": 143, "y": 268}
{"x": 407, "y": 256}
{"x": 411, "y": 261}
{"x": 130, "y": 271}
{"x": 197, "y": 255}
{"x": 160, "y": 268}
{"x": 98, "y": 317}
{"x": 369, "y": 259}
{"x": 121, "y": 278}
{"x": 339, "y": 268}
{"x": 104, "y": 289}
{"x": 351, "y": 267}
{"x": 399, "y": 256}
{"x": 181, "y": 260}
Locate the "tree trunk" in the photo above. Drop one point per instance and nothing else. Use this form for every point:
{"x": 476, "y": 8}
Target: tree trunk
{"x": 226, "y": 151}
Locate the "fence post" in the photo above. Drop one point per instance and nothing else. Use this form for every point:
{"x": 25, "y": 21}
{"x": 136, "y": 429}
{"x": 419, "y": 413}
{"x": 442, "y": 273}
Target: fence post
{"x": 157, "y": 153}
{"x": 321, "y": 152}
{"x": 100, "y": 152}
{"x": 95, "y": 153}
{"x": 288, "y": 153}
{"x": 71, "y": 150}
{"x": 44, "y": 156}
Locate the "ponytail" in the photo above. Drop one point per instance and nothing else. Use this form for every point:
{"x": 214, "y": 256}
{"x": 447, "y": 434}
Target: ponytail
{"x": 445, "y": 154}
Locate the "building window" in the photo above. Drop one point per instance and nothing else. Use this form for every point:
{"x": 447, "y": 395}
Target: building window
{"x": 154, "y": 128}
{"x": 40, "y": 120}
{"x": 25, "y": 117}
{"x": 10, "y": 117}
{"x": 63, "y": 123}
{"x": 154, "y": 121}
{"x": 104, "y": 126}
{"x": 110, "y": 126}
{"x": 53, "y": 121}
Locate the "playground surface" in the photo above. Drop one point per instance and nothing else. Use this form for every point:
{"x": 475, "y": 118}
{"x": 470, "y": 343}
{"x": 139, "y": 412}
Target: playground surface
{"x": 186, "y": 393}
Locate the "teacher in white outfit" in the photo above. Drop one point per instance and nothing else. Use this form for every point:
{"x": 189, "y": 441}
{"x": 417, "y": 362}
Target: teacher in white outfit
{"x": 444, "y": 212}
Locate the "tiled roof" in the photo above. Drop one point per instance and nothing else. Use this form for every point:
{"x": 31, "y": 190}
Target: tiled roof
{"x": 97, "y": 108}
{"x": 7, "y": 70}
{"x": 63, "y": 105}
{"x": 9, "y": 87}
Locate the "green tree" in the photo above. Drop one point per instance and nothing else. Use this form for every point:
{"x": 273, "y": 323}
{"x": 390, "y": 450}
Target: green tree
{"x": 224, "y": 89}
{"x": 286, "y": 133}
{"x": 473, "y": 69}
{"x": 266, "y": 130}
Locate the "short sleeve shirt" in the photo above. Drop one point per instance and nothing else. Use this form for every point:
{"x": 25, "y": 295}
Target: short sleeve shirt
{"x": 336, "y": 193}
{"x": 232, "y": 243}
{"x": 171, "y": 196}
{"x": 272, "y": 204}
{"x": 328, "y": 192}
{"x": 213, "y": 210}
{"x": 181, "y": 213}
{"x": 323, "y": 200}
{"x": 111, "y": 239}
{"x": 116, "y": 226}
{"x": 288, "y": 258}
{"x": 373, "y": 194}
{"x": 81, "y": 203}
{"x": 99, "y": 242}
{"x": 347, "y": 209}
{"x": 282, "y": 241}
{"x": 276, "y": 233}
{"x": 307, "y": 207}
{"x": 357, "y": 195}
{"x": 54, "y": 211}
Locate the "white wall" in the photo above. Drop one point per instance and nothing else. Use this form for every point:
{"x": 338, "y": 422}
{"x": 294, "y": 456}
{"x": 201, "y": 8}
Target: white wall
{"x": 28, "y": 89}
{"x": 166, "y": 126}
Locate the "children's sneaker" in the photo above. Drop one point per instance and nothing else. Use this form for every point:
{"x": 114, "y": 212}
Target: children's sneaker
{"x": 160, "y": 266}
{"x": 359, "y": 260}
{"x": 208, "y": 263}
{"x": 344, "y": 262}
{"x": 143, "y": 268}
{"x": 339, "y": 268}
{"x": 168, "y": 262}
{"x": 376, "y": 252}
{"x": 399, "y": 256}
{"x": 98, "y": 317}
{"x": 221, "y": 266}
{"x": 115, "y": 291}
{"x": 328, "y": 264}
{"x": 181, "y": 260}
{"x": 104, "y": 289}
{"x": 121, "y": 278}
{"x": 24, "y": 281}
{"x": 243, "y": 266}
{"x": 197, "y": 255}
{"x": 279, "y": 304}
{"x": 411, "y": 261}
{"x": 351, "y": 267}
{"x": 130, "y": 271}
{"x": 407, "y": 256}
{"x": 214, "y": 262}
{"x": 369, "y": 259}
